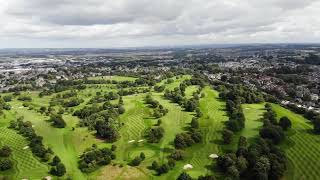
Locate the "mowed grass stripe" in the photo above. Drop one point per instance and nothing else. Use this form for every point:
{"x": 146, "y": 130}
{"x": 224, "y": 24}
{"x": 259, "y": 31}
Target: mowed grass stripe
{"x": 304, "y": 151}
{"x": 211, "y": 124}
{"x": 26, "y": 165}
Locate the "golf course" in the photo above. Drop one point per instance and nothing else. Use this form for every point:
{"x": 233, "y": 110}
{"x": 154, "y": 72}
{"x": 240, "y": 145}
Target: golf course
{"x": 70, "y": 142}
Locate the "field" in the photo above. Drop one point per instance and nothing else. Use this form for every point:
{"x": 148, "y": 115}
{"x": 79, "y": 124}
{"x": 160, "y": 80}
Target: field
{"x": 302, "y": 147}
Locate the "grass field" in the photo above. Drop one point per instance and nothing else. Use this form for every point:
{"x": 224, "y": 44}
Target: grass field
{"x": 302, "y": 147}
{"x": 211, "y": 124}
{"x": 253, "y": 114}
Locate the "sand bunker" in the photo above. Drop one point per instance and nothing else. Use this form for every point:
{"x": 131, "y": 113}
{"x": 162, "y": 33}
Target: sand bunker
{"x": 213, "y": 156}
{"x": 187, "y": 166}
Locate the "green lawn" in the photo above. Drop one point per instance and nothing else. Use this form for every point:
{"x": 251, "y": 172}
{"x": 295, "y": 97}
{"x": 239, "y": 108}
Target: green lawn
{"x": 211, "y": 124}
{"x": 25, "y": 164}
{"x": 253, "y": 114}
{"x": 190, "y": 90}
{"x": 302, "y": 147}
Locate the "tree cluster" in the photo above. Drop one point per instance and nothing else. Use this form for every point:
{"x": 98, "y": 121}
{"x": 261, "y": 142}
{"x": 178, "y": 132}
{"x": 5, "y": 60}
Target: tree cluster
{"x": 155, "y": 134}
{"x": 93, "y": 157}
{"x": 102, "y": 118}
{"x": 260, "y": 160}
{"x": 35, "y": 141}
{"x": 57, "y": 120}
{"x": 158, "y": 109}
{"x": 57, "y": 167}
{"x": 5, "y": 162}
{"x": 137, "y": 160}
{"x": 164, "y": 168}
{"x": 272, "y": 129}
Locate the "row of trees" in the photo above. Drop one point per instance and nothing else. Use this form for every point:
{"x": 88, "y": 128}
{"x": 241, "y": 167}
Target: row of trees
{"x": 5, "y": 162}
{"x": 93, "y": 157}
{"x": 36, "y": 144}
{"x": 57, "y": 167}
{"x": 272, "y": 129}
{"x": 262, "y": 159}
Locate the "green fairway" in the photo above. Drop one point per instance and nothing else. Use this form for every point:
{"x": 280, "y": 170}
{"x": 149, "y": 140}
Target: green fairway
{"x": 302, "y": 147}
{"x": 190, "y": 90}
{"x": 211, "y": 124}
{"x": 253, "y": 114}
{"x": 26, "y": 165}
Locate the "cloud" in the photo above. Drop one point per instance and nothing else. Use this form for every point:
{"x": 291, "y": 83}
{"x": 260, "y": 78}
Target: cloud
{"x": 111, "y": 23}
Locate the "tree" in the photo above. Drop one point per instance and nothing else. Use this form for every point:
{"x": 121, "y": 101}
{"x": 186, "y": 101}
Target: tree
{"x": 227, "y": 136}
{"x": 155, "y": 134}
{"x": 57, "y": 120}
{"x": 316, "y": 125}
{"x": 5, "y": 151}
{"x": 233, "y": 172}
{"x": 184, "y": 176}
{"x": 194, "y": 123}
{"x": 61, "y": 169}
{"x": 136, "y": 161}
{"x": 198, "y": 112}
{"x": 261, "y": 168}
{"x": 121, "y": 109}
{"x": 274, "y": 133}
{"x": 5, "y": 164}
{"x": 285, "y": 123}
{"x": 155, "y": 165}
{"x": 55, "y": 161}
{"x": 177, "y": 155}
{"x": 142, "y": 156}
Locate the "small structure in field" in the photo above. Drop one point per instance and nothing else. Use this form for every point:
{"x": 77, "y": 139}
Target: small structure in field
{"x": 131, "y": 141}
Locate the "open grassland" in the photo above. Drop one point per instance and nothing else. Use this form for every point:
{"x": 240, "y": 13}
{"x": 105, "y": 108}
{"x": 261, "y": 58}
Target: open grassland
{"x": 302, "y": 146}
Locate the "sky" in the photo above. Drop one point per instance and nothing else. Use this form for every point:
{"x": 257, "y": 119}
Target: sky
{"x": 141, "y": 23}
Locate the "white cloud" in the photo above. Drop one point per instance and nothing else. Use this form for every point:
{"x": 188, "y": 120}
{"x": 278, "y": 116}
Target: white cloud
{"x": 113, "y": 23}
